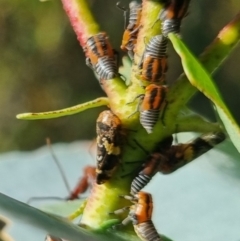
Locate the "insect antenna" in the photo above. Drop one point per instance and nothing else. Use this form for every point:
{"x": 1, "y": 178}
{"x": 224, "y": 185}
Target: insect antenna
{"x": 124, "y": 13}
{"x": 60, "y": 168}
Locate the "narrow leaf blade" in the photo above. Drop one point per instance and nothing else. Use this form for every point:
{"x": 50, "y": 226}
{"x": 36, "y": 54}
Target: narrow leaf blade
{"x": 201, "y": 79}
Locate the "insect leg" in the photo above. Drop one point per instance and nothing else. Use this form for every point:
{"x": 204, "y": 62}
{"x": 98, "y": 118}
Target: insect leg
{"x": 120, "y": 211}
{"x": 78, "y": 212}
{"x": 83, "y": 183}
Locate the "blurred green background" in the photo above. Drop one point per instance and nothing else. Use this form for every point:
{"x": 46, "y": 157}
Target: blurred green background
{"x": 42, "y": 66}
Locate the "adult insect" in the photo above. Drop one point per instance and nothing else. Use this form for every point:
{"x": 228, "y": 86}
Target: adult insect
{"x": 131, "y": 31}
{"x": 86, "y": 181}
{"x": 140, "y": 214}
{"x": 169, "y": 158}
{"x": 153, "y": 65}
{"x": 108, "y": 145}
{"x": 172, "y": 15}
{"x": 100, "y": 56}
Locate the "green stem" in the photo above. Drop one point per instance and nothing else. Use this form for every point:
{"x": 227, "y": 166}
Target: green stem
{"x": 214, "y": 55}
{"x": 196, "y": 123}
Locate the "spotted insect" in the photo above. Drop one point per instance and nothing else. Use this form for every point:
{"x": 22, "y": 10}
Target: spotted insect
{"x": 167, "y": 159}
{"x": 140, "y": 215}
{"x": 108, "y": 145}
{"x": 100, "y": 56}
{"x": 131, "y": 31}
{"x": 152, "y": 102}
{"x": 153, "y": 65}
{"x": 172, "y": 15}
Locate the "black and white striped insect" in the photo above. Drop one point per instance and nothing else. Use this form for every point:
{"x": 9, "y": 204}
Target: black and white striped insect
{"x": 170, "y": 158}
{"x": 153, "y": 65}
{"x": 172, "y": 15}
{"x": 100, "y": 56}
{"x": 131, "y": 31}
{"x": 140, "y": 214}
{"x": 106, "y": 68}
{"x": 152, "y": 103}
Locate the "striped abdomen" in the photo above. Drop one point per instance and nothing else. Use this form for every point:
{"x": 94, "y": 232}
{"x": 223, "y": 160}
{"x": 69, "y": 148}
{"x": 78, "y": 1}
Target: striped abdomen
{"x": 106, "y": 68}
{"x": 157, "y": 47}
{"x": 154, "y": 69}
{"x": 151, "y": 105}
{"x": 98, "y": 46}
{"x": 131, "y": 32}
{"x": 135, "y": 12}
{"x": 150, "y": 168}
{"x": 172, "y": 15}
{"x": 147, "y": 231}
{"x": 141, "y": 215}
{"x": 100, "y": 56}
{"x": 154, "y": 61}
{"x": 139, "y": 182}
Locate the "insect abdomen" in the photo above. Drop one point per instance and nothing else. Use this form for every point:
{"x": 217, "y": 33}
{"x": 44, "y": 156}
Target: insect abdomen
{"x": 147, "y": 231}
{"x": 154, "y": 61}
{"x": 100, "y": 56}
{"x": 151, "y": 106}
{"x": 106, "y": 68}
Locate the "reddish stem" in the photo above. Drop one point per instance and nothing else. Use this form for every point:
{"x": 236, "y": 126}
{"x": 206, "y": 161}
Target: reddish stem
{"x": 81, "y": 19}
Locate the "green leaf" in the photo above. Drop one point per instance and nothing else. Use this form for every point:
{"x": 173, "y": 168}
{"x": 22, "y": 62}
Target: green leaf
{"x": 58, "y": 226}
{"x": 51, "y": 224}
{"x": 202, "y": 80}
{"x": 212, "y": 58}
{"x": 203, "y": 194}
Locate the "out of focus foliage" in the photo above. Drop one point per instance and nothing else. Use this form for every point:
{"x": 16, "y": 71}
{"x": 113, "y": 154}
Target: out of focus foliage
{"x": 42, "y": 66}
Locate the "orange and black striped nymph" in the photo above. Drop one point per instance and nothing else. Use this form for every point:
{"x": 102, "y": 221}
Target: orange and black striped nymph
{"x": 168, "y": 158}
{"x": 152, "y": 103}
{"x": 108, "y": 145}
{"x": 100, "y": 56}
{"x": 153, "y": 65}
{"x": 172, "y": 15}
{"x": 150, "y": 168}
{"x": 140, "y": 214}
{"x": 131, "y": 32}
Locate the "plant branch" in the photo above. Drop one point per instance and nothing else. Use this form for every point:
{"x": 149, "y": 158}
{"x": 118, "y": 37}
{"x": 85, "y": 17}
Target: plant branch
{"x": 81, "y": 19}
{"x": 214, "y": 55}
